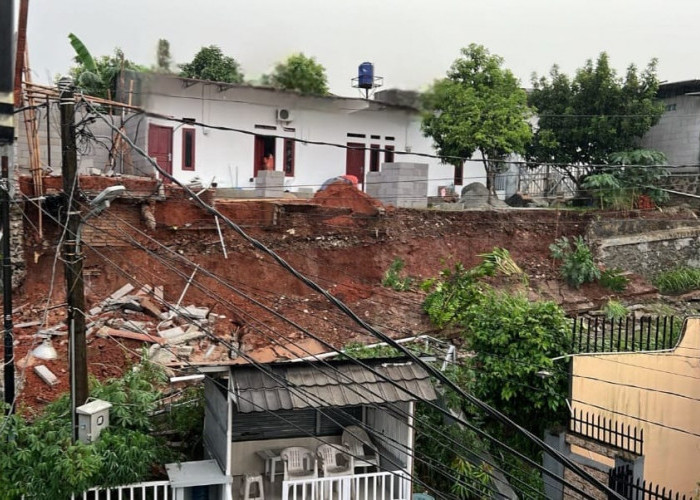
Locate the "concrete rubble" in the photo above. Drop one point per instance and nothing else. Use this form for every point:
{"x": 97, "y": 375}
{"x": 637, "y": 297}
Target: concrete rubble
{"x": 177, "y": 335}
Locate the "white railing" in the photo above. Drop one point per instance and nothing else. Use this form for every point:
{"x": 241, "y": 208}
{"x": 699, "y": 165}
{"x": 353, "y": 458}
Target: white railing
{"x": 371, "y": 486}
{"x": 152, "y": 490}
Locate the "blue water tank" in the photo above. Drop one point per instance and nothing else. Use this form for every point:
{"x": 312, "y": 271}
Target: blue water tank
{"x": 365, "y": 75}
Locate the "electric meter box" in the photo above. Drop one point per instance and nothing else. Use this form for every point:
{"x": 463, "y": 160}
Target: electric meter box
{"x": 93, "y": 417}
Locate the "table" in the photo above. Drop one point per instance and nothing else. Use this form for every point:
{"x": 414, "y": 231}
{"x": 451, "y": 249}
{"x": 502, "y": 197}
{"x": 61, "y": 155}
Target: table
{"x": 271, "y": 457}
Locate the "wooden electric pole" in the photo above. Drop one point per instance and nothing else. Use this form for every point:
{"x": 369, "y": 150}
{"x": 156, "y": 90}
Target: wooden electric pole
{"x": 7, "y": 136}
{"x": 73, "y": 259}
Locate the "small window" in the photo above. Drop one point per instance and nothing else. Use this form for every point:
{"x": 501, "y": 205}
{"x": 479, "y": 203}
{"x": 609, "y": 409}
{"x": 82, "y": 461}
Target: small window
{"x": 375, "y": 137}
{"x": 389, "y": 138}
{"x": 389, "y": 154}
{"x": 459, "y": 174}
{"x": 265, "y": 127}
{"x": 188, "y": 148}
{"x": 374, "y": 158}
{"x": 670, "y": 107}
{"x": 356, "y": 136}
{"x": 289, "y": 157}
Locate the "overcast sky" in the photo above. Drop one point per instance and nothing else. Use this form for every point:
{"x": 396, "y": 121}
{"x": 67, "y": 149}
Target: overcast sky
{"x": 411, "y": 42}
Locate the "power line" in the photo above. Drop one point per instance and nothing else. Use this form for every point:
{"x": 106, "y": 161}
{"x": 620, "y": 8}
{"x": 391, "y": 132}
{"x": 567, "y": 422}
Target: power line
{"x": 112, "y": 263}
{"x": 554, "y": 453}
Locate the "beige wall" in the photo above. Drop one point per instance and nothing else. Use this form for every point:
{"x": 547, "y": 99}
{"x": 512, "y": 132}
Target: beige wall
{"x": 657, "y": 392}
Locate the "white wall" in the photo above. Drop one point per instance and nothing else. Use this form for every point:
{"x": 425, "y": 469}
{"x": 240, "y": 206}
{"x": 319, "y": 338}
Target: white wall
{"x": 229, "y": 156}
{"x": 677, "y": 134}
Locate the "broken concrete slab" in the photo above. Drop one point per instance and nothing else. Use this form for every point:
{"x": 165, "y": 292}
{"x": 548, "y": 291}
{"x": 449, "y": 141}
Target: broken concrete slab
{"x": 128, "y": 288}
{"x": 171, "y": 332}
{"x": 185, "y": 338}
{"x": 46, "y": 375}
{"x": 106, "y": 331}
{"x": 194, "y": 312}
{"x": 150, "y": 307}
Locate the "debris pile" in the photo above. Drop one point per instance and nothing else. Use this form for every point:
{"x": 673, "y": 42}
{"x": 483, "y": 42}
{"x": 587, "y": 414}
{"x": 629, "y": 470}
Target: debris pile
{"x": 178, "y": 335}
{"x": 343, "y": 195}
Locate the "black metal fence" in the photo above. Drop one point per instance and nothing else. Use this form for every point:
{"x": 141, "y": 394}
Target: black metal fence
{"x": 607, "y": 432}
{"x": 621, "y": 480}
{"x": 648, "y": 333}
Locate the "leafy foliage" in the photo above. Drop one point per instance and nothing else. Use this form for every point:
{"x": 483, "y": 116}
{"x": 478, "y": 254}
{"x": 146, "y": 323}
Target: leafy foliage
{"x": 38, "y": 460}
{"x": 615, "y": 310}
{"x": 577, "y": 265}
{"x": 358, "y": 350}
{"x": 211, "y": 64}
{"x": 393, "y": 279}
{"x": 679, "y": 280}
{"x": 584, "y": 119}
{"x": 300, "y": 73}
{"x": 431, "y": 448}
{"x": 163, "y": 58}
{"x": 478, "y": 107}
{"x": 98, "y": 77}
{"x": 641, "y": 171}
{"x": 608, "y": 191}
{"x": 512, "y": 339}
{"x": 614, "y": 280}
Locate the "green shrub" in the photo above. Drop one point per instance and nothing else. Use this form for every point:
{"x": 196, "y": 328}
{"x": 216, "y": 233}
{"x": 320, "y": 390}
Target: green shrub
{"x": 577, "y": 265}
{"x": 393, "y": 279}
{"x": 615, "y": 310}
{"x": 612, "y": 279}
{"x": 679, "y": 280}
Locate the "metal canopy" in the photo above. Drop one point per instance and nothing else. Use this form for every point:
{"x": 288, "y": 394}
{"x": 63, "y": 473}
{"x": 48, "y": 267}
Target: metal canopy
{"x": 315, "y": 385}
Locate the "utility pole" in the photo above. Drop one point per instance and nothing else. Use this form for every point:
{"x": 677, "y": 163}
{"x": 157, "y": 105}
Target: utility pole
{"x": 73, "y": 268}
{"x": 7, "y": 137}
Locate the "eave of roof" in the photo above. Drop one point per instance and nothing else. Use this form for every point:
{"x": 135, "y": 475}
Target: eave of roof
{"x": 338, "y": 383}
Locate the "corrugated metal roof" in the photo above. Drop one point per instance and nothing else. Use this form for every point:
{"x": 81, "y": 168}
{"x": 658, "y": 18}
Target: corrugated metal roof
{"x": 335, "y": 383}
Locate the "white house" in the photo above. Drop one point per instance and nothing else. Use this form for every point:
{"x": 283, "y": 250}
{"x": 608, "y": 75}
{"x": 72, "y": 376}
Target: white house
{"x": 254, "y": 414}
{"x": 272, "y": 127}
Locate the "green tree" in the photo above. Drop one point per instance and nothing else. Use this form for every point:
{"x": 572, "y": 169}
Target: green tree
{"x": 479, "y": 107}
{"x": 211, "y": 64}
{"x": 299, "y": 73}
{"x": 98, "y": 77}
{"x": 38, "y": 460}
{"x": 163, "y": 57}
{"x": 513, "y": 341}
{"x": 584, "y": 119}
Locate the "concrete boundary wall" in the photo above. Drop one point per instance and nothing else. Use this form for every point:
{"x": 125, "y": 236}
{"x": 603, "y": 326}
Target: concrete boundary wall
{"x": 646, "y": 247}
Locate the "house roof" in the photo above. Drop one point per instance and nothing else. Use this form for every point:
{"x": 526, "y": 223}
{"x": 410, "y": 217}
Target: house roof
{"x": 678, "y": 88}
{"x": 265, "y": 92}
{"x": 333, "y": 383}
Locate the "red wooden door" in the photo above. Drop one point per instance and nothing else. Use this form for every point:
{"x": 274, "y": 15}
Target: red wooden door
{"x": 258, "y": 155}
{"x": 355, "y": 161}
{"x": 160, "y": 146}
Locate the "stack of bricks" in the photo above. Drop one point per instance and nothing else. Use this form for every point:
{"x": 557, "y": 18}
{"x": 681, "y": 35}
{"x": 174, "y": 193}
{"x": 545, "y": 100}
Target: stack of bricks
{"x": 400, "y": 184}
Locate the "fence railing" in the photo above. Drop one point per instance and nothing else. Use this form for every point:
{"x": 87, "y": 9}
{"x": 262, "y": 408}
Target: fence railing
{"x": 546, "y": 182}
{"x": 648, "y": 333}
{"x": 621, "y": 480}
{"x": 152, "y": 490}
{"x": 607, "y": 431}
{"x": 371, "y": 486}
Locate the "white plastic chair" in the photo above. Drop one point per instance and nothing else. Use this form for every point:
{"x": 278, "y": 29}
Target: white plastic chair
{"x": 360, "y": 446}
{"x": 299, "y": 463}
{"x": 329, "y": 460}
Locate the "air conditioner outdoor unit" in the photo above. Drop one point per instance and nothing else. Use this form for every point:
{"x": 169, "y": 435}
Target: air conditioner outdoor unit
{"x": 284, "y": 115}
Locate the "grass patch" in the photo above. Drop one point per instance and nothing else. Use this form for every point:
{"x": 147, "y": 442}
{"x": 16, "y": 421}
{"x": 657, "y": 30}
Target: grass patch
{"x": 679, "y": 280}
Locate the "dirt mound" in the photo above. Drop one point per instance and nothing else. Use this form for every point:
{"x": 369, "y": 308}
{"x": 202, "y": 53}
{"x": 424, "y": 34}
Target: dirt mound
{"x": 343, "y": 195}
